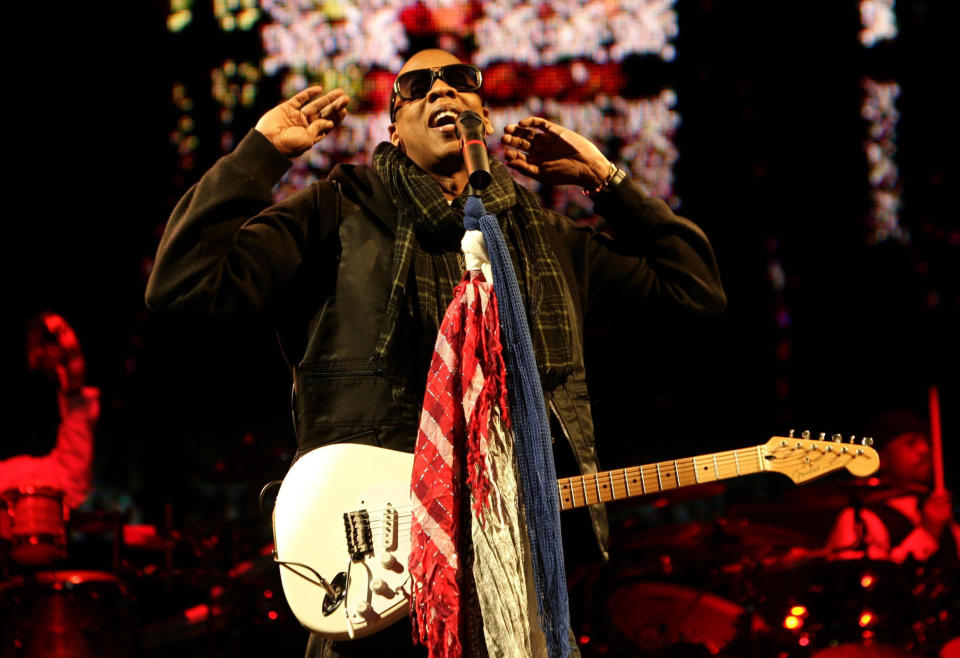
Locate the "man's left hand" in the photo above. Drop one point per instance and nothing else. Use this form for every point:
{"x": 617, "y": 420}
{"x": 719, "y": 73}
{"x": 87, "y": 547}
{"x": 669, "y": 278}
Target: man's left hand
{"x": 554, "y": 155}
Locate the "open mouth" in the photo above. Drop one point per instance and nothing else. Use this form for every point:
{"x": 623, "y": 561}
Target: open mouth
{"x": 444, "y": 121}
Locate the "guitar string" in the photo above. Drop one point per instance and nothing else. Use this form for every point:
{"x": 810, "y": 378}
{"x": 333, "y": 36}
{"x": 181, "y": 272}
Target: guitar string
{"x": 741, "y": 459}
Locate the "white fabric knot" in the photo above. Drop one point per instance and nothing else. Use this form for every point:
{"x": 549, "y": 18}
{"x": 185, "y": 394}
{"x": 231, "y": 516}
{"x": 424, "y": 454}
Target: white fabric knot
{"x": 475, "y": 255}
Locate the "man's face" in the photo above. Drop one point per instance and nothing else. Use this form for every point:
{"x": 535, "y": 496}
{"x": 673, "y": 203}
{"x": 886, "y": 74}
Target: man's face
{"x": 907, "y": 458}
{"x": 421, "y": 130}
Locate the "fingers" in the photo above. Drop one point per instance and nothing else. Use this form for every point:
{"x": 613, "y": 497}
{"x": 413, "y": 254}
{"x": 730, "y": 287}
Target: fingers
{"x": 517, "y": 142}
{"x": 325, "y": 105}
{"x": 326, "y": 113}
{"x": 517, "y": 160}
{"x": 298, "y": 100}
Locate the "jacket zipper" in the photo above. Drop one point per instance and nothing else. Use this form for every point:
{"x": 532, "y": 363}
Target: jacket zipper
{"x": 563, "y": 427}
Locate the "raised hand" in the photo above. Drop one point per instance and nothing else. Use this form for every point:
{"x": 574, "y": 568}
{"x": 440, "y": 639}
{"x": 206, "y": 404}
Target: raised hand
{"x": 53, "y": 348}
{"x": 295, "y": 125}
{"x": 553, "y": 154}
{"x": 937, "y": 512}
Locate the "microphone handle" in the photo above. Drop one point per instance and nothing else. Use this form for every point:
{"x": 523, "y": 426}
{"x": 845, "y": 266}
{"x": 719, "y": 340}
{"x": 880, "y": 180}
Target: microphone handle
{"x": 478, "y": 165}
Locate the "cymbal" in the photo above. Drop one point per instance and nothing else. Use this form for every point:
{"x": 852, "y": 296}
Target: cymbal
{"x": 145, "y": 537}
{"x": 94, "y": 523}
{"x": 721, "y": 541}
{"x": 846, "y": 493}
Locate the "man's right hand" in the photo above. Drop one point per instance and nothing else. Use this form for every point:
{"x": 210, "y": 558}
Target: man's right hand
{"x": 295, "y": 125}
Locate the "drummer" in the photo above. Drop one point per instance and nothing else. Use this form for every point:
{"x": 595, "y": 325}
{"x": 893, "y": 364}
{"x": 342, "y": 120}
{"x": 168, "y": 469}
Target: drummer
{"x": 909, "y": 519}
{"x": 53, "y": 350}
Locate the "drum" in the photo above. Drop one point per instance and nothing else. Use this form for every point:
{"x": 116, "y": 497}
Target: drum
{"x": 60, "y": 614}
{"x": 36, "y": 524}
{"x": 655, "y": 616}
{"x": 857, "y": 608}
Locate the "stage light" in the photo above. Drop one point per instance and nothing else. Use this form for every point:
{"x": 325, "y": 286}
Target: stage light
{"x": 792, "y": 622}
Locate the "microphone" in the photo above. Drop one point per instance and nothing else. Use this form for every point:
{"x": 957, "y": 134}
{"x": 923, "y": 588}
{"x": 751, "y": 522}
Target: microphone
{"x": 470, "y": 130}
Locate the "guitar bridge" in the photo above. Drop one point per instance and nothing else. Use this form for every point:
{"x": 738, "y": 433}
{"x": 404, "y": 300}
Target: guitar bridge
{"x": 359, "y": 534}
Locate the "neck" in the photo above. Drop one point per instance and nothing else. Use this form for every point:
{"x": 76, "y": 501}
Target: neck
{"x": 453, "y": 184}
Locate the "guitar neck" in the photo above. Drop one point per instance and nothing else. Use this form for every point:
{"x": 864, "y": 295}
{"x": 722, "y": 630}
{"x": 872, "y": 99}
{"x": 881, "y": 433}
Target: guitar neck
{"x": 620, "y": 483}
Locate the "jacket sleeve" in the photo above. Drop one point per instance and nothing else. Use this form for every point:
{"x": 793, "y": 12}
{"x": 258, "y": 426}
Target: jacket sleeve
{"x": 657, "y": 260}
{"x": 226, "y": 249}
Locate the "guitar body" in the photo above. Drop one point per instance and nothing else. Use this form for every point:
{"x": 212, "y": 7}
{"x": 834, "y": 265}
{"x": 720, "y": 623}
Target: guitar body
{"x": 366, "y": 555}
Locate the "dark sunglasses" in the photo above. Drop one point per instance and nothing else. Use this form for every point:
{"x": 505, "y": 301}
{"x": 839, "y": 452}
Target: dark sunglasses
{"x": 417, "y": 84}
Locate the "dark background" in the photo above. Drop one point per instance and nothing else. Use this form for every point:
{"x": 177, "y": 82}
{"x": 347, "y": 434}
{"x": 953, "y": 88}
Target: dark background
{"x": 195, "y": 413}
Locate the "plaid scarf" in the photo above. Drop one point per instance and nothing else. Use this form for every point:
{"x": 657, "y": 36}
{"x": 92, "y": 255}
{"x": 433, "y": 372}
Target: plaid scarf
{"x": 428, "y": 237}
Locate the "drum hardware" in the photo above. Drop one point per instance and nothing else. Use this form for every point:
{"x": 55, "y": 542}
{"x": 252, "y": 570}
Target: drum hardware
{"x": 35, "y": 525}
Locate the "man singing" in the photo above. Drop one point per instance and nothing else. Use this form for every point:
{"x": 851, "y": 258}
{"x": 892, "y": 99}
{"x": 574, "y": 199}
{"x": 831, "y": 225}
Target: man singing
{"x": 357, "y": 276}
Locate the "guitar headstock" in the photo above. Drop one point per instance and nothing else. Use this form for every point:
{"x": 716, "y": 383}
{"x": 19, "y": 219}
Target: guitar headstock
{"x": 803, "y": 459}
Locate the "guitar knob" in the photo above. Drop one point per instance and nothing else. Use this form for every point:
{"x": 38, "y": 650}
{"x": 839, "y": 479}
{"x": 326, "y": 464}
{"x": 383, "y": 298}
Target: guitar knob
{"x": 364, "y": 609}
{"x": 379, "y": 586}
{"x": 390, "y": 562}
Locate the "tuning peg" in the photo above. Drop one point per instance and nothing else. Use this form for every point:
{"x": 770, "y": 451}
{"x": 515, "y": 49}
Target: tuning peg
{"x": 852, "y": 438}
{"x": 837, "y": 438}
{"x": 867, "y": 441}
{"x": 823, "y": 436}
{"x": 790, "y": 435}
{"x": 806, "y": 434}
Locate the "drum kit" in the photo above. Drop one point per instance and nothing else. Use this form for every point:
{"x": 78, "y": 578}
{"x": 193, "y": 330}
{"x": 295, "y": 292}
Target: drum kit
{"x": 125, "y": 597}
{"x": 742, "y": 587}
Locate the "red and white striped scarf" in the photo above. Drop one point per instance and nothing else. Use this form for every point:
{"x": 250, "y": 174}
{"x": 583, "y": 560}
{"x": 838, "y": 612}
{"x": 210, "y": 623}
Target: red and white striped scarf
{"x": 466, "y": 384}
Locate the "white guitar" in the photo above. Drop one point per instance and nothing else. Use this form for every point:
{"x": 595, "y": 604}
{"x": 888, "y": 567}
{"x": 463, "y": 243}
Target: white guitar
{"x": 341, "y": 523}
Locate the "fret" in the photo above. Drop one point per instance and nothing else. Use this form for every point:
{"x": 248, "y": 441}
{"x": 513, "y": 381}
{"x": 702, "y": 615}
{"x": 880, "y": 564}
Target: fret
{"x": 716, "y": 469}
{"x": 659, "y": 479}
{"x": 565, "y": 498}
{"x": 583, "y": 483}
{"x": 759, "y": 459}
{"x": 610, "y": 477}
{"x": 643, "y": 483}
{"x": 696, "y": 475}
{"x": 596, "y": 481}
{"x": 626, "y": 481}
{"x": 736, "y": 461}
{"x": 676, "y": 469}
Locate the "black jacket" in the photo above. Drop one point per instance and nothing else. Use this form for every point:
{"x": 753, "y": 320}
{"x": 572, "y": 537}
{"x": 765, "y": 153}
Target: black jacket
{"x": 227, "y": 250}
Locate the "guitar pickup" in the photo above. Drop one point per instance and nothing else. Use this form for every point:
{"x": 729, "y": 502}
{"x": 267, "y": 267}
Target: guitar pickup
{"x": 390, "y": 528}
{"x": 359, "y": 536}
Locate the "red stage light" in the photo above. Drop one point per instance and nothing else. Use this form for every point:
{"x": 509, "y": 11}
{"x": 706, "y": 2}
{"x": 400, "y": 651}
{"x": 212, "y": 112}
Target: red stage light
{"x": 272, "y": 615}
{"x": 866, "y": 618}
{"x": 866, "y": 581}
{"x": 197, "y": 613}
{"x": 798, "y": 611}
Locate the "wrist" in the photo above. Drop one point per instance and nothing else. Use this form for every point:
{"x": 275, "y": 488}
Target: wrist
{"x": 612, "y": 176}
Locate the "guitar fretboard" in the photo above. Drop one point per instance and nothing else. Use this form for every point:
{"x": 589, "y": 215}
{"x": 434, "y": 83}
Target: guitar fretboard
{"x": 622, "y": 483}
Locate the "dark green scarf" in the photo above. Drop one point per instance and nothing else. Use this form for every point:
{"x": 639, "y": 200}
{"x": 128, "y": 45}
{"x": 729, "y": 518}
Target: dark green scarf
{"x": 428, "y": 236}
